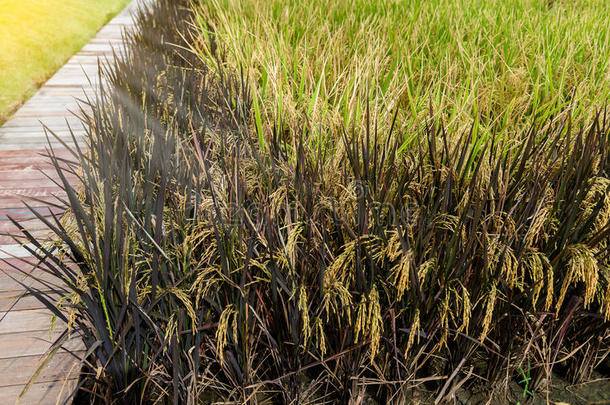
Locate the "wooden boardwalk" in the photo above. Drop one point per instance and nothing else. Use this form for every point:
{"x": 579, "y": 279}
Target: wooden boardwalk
{"x": 25, "y": 333}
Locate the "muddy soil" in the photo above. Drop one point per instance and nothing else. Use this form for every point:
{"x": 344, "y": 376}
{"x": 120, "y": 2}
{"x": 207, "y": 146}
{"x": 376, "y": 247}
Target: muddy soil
{"x": 560, "y": 392}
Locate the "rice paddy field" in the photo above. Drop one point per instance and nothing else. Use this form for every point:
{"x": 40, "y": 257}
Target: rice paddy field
{"x": 496, "y": 65}
{"x": 344, "y": 201}
{"x": 38, "y": 36}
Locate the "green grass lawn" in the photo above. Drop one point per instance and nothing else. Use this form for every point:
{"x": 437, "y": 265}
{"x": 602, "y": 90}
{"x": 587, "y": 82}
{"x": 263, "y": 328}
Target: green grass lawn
{"x": 38, "y": 36}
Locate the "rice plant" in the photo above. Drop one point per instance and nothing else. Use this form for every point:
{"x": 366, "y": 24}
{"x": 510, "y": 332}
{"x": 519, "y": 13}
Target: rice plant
{"x": 210, "y": 257}
{"x": 499, "y": 64}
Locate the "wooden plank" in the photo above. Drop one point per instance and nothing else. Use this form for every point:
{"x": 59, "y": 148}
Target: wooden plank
{"x": 24, "y": 213}
{"x": 34, "y": 343}
{"x": 11, "y": 279}
{"x": 33, "y": 143}
{"x": 39, "y": 128}
{"x": 69, "y": 80}
{"x": 12, "y": 185}
{"x": 33, "y": 155}
{"x": 24, "y": 321}
{"x": 40, "y": 234}
{"x": 57, "y": 109}
{"x": 19, "y": 370}
{"x": 29, "y": 122}
{"x": 16, "y": 179}
{"x": 45, "y": 101}
{"x": 31, "y": 224}
{"x": 17, "y": 198}
{"x": 14, "y": 203}
{"x": 69, "y": 91}
{"x": 22, "y": 301}
{"x": 24, "y": 174}
{"x": 46, "y": 393}
{"x": 16, "y": 251}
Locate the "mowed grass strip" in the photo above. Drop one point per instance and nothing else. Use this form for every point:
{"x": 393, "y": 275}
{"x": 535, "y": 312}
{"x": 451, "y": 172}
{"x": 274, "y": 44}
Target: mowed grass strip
{"x": 495, "y": 64}
{"x": 38, "y": 36}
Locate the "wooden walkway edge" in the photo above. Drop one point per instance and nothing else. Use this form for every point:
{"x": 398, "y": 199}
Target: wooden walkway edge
{"x": 25, "y": 333}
